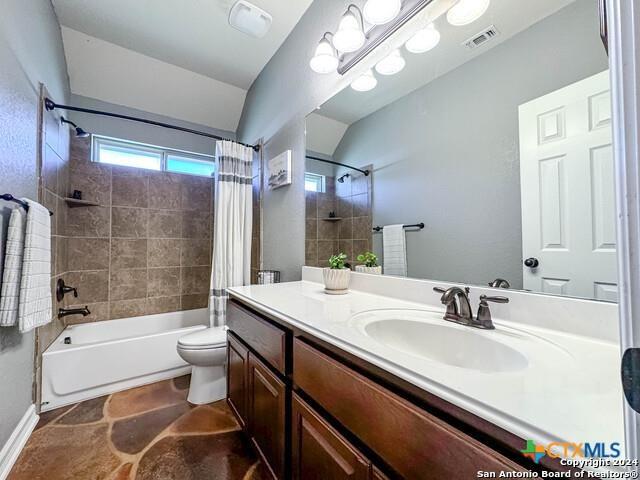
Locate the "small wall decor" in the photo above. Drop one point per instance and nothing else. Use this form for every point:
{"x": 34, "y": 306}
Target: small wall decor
{"x": 279, "y": 169}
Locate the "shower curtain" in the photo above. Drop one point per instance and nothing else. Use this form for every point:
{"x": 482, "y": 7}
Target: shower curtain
{"x": 232, "y": 225}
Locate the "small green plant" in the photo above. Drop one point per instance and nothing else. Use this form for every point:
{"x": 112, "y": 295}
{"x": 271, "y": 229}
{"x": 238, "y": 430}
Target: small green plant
{"x": 369, "y": 259}
{"x": 337, "y": 262}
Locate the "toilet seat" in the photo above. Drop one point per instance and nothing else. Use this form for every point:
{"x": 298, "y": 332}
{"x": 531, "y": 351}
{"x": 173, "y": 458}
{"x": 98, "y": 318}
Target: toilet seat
{"x": 209, "y": 338}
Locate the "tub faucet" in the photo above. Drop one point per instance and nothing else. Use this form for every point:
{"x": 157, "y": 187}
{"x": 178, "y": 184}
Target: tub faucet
{"x": 500, "y": 283}
{"x": 63, "y": 312}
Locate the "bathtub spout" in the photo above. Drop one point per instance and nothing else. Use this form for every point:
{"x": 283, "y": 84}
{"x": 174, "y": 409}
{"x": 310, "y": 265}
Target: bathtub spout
{"x": 63, "y": 312}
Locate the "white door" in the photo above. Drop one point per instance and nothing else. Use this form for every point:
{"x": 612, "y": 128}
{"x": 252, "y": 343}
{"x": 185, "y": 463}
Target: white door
{"x": 567, "y": 188}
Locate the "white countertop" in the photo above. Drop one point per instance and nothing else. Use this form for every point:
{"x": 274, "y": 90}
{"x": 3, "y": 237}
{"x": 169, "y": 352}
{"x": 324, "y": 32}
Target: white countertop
{"x": 570, "y": 390}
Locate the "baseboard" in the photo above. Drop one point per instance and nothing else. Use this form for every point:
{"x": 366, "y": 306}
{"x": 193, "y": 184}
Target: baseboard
{"x": 17, "y": 440}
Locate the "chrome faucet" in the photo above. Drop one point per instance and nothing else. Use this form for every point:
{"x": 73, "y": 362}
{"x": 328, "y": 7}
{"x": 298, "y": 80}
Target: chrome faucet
{"x": 456, "y": 300}
{"x": 500, "y": 283}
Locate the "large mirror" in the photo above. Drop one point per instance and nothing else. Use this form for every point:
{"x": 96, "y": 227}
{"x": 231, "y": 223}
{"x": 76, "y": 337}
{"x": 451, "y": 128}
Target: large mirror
{"x": 492, "y": 149}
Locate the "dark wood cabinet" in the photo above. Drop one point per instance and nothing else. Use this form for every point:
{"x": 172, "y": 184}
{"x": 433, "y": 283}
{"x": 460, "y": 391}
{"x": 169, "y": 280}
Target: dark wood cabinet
{"x": 237, "y": 367}
{"x": 319, "y": 452}
{"x": 267, "y": 409}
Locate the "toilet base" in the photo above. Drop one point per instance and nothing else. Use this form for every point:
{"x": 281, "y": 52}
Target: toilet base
{"x": 208, "y": 384}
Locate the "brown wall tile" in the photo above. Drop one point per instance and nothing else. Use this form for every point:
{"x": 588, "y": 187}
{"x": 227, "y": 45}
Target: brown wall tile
{"x": 127, "y": 308}
{"x": 328, "y": 230}
{"x": 129, "y": 191}
{"x": 129, "y": 222}
{"x": 89, "y": 222}
{"x": 191, "y": 302}
{"x": 196, "y": 224}
{"x": 95, "y": 186}
{"x": 162, "y": 305}
{"x": 88, "y": 253}
{"x": 346, "y": 228}
{"x": 163, "y": 252}
{"x": 165, "y": 224}
{"x": 163, "y": 282}
{"x": 196, "y": 193}
{"x": 196, "y": 252}
{"x": 93, "y": 286}
{"x": 128, "y": 253}
{"x": 128, "y": 284}
{"x": 165, "y": 191}
{"x": 362, "y": 228}
{"x": 195, "y": 280}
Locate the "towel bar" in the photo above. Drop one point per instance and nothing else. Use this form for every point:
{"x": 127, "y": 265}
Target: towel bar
{"x": 10, "y": 198}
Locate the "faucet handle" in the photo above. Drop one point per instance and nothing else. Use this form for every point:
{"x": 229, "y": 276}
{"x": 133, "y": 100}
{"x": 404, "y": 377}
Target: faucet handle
{"x": 484, "y": 299}
{"x": 439, "y": 289}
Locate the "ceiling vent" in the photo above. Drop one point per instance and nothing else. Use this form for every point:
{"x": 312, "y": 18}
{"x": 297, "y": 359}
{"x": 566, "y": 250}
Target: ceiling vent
{"x": 481, "y": 38}
{"x": 249, "y": 19}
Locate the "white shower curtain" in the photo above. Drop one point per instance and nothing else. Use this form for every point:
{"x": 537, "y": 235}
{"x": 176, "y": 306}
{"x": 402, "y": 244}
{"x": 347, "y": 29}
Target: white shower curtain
{"x": 232, "y": 225}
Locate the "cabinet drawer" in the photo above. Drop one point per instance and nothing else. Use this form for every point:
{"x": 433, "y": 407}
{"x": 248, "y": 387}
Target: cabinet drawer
{"x": 413, "y": 442}
{"x": 266, "y": 339}
{"x": 319, "y": 452}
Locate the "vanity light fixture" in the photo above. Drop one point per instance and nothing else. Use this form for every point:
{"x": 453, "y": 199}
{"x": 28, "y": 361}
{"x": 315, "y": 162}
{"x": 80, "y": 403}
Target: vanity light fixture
{"x": 365, "y": 82}
{"x": 326, "y": 58}
{"x": 467, "y": 11}
{"x": 391, "y": 64}
{"x": 423, "y": 40}
{"x": 379, "y": 12}
{"x": 350, "y": 35}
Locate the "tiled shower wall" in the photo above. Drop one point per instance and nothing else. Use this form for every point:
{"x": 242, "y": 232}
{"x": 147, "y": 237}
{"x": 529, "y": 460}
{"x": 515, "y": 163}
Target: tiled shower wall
{"x": 53, "y": 187}
{"x": 351, "y": 201}
{"x": 146, "y": 247}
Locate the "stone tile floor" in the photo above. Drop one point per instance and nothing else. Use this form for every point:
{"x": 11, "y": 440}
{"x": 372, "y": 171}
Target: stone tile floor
{"x": 145, "y": 433}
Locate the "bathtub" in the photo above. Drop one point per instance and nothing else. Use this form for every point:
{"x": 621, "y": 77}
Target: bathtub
{"x": 105, "y": 357}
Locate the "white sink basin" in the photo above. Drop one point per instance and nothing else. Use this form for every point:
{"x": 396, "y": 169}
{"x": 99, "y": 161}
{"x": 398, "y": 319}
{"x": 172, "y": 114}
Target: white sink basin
{"x": 426, "y": 335}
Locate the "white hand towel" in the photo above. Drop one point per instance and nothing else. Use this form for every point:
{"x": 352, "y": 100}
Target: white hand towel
{"x": 11, "y": 276}
{"x": 394, "y": 246}
{"x": 35, "y": 284}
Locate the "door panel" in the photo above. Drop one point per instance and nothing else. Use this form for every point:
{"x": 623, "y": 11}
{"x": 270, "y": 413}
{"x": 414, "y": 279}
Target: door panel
{"x": 267, "y": 403}
{"x": 567, "y": 188}
{"x": 237, "y": 356}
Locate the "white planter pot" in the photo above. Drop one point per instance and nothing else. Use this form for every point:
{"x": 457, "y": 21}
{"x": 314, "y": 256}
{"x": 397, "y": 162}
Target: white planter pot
{"x": 370, "y": 270}
{"x": 336, "y": 282}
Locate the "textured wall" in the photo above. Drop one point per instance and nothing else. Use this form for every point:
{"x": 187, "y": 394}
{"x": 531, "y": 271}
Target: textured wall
{"x": 25, "y": 60}
{"x": 146, "y": 248}
{"x": 447, "y": 154}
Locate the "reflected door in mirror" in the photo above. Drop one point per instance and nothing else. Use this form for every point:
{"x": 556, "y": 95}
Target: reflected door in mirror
{"x": 567, "y": 188}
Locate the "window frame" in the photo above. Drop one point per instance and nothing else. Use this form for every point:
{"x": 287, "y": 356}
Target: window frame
{"x": 164, "y": 152}
{"x": 322, "y": 181}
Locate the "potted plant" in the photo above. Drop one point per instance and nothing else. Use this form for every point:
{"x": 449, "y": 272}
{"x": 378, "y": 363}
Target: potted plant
{"x": 370, "y": 261}
{"x": 336, "y": 276}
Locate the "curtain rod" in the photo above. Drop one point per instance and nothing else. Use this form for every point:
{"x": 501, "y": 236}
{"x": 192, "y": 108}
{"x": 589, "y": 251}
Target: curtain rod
{"x": 51, "y": 105}
{"x": 365, "y": 172}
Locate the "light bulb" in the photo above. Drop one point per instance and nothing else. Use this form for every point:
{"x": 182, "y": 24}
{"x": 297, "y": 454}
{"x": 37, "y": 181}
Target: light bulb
{"x": 467, "y": 11}
{"x": 365, "y": 82}
{"x": 391, "y": 64}
{"x": 423, "y": 40}
{"x": 349, "y": 36}
{"x": 325, "y": 60}
{"x": 379, "y": 12}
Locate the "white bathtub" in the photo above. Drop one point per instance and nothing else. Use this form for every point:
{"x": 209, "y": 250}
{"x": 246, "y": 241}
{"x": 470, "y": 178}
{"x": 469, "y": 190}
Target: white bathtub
{"x": 105, "y": 357}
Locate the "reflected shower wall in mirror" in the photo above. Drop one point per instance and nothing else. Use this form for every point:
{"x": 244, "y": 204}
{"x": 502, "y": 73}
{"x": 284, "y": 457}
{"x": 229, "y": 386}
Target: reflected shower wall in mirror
{"x": 503, "y": 151}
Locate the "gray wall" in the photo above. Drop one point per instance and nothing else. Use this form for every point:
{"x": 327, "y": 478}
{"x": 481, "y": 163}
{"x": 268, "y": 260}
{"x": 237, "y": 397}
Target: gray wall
{"x": 447, "y": 154}
{"x": 140, "y": 132}
{"x": 283, "y": 94}
{"x": 30, "y": 52}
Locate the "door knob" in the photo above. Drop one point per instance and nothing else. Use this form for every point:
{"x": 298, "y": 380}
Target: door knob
{"x": 531, "y": 262}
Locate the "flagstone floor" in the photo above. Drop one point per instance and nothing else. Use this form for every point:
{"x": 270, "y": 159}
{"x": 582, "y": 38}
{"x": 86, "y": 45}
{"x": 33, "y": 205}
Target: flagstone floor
{"x": 145, "y": 433}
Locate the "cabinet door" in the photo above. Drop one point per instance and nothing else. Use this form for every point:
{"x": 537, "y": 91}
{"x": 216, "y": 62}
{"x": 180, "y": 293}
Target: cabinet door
{"x": 237, "y": 358}
{"x": 267, "y": 403}
{"x": 319, "y": 452}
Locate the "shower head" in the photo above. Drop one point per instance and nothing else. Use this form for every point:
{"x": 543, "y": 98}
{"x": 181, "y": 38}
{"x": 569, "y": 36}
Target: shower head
{"x": 341, "y": 179}
{"x": 80, "y": 132}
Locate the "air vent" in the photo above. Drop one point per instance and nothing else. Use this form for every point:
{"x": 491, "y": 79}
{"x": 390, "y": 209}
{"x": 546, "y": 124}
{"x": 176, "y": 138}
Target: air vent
{"x": 481, "y": 38}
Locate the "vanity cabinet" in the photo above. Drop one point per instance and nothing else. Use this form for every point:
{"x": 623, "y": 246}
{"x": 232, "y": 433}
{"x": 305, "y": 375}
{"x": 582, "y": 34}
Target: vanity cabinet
{"x": 312, "y": 414}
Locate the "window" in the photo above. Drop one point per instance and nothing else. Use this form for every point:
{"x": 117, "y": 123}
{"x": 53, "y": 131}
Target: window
{"x": 314, "y": 182}
{"x": 138, "y": 155}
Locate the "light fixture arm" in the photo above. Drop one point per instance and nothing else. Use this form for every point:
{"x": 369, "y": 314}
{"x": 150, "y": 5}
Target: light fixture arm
{"x": 351, "y": 8}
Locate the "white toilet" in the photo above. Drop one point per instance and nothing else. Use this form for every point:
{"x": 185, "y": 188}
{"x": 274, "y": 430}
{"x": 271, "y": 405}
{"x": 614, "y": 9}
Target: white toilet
{"x": 206, "y": 351}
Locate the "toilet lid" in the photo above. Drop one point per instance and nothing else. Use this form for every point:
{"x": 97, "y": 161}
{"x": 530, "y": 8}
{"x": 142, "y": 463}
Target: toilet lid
{"x": 209, "y": 337}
